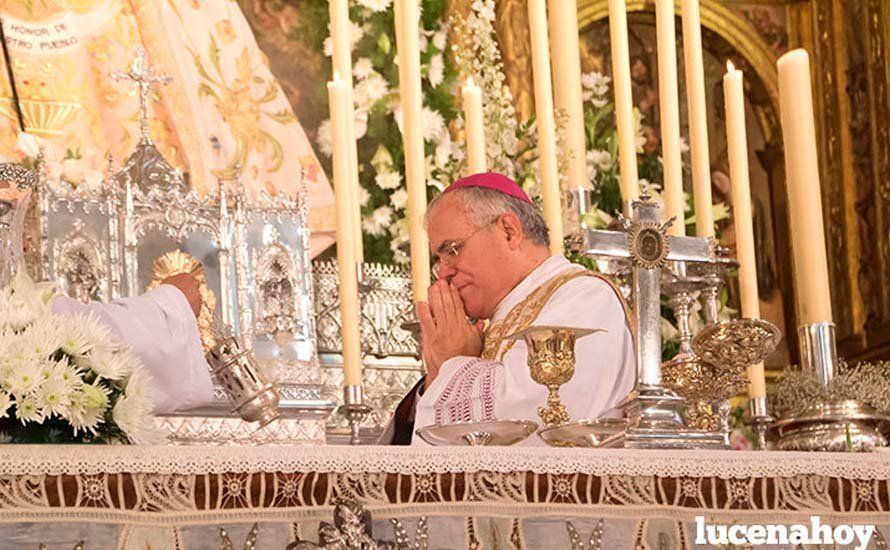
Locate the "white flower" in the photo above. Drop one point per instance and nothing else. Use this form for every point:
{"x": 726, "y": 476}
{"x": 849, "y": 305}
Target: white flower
{"x": 377, "y": 223}
{"x": 5, "y": 402}
{"x": 27, "y": 409}
{"x": 362, "y": 68}
{"x": 28, "y": 144}
{"x": 436, "y": 70}
{"x": 133, "y": 411}
{"x": 684, "y": 146}
{"x": 440, "y": 38}
{"x": 111, "y": 366}
{"x": 55, "y": 396}
{"x": 361, "y": 124}
{"x": 388, "y": 180}
{"x": 363, "y": 195}
{"x": 75, "y": 339}
{"x": 356, "y": 32}
{"x": 88, "y": 408}
{"x": 42, "y": 338}
{"x": 433, "y": 125}
{"x": 595, "y": 86}
{"x": 598, "y": 161}
{"x": 24, "y": 377}
{"x": 399, "y": 199}
{"x": 370, "y": 90}
{"x": 139, "y": 384}
{"x": 324, "y": 138}
{"x": 95, "y": 396}
{"x": 375, "y": 5}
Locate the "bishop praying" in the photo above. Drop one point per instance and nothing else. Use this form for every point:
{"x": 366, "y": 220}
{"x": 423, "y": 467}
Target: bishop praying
{"x": 495, "y": 277}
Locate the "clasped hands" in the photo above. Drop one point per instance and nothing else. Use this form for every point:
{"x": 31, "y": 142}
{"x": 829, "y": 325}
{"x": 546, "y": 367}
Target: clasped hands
{"x": 446, "y": 330}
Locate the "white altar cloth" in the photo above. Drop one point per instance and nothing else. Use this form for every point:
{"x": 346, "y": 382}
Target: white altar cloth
{"x": 91, "y": 460}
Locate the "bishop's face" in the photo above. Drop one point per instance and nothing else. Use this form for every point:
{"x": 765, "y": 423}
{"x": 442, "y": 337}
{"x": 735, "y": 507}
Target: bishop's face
{"x": 476, "y": 260}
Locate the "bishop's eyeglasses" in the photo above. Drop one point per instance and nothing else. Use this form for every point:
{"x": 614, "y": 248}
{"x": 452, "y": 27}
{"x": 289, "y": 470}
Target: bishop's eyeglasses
{"x": 448, "y": 252}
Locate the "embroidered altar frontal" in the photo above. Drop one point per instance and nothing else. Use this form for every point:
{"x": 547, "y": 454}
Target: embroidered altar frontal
{"x": 181, "y": 497}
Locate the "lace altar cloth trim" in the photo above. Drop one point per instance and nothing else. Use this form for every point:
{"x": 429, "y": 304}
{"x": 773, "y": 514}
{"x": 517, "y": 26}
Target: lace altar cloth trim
{"x": 90, "y": 460}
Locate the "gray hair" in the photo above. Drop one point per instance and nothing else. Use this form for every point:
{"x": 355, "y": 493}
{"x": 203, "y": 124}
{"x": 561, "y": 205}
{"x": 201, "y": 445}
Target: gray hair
{"x": 484, "y": 205}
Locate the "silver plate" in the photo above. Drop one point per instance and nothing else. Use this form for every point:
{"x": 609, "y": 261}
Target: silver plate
{"x": 492, "y": 433}
{"x": 602, "y": 433}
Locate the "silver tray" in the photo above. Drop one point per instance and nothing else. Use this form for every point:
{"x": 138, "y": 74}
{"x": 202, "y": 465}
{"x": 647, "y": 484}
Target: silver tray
{"x": 602, "y": 433}
{"x": 491, "y": 433}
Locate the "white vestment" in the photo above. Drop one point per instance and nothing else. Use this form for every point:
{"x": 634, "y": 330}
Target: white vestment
{"x": 160, "y": 327}
{"x": 470, "y": 388}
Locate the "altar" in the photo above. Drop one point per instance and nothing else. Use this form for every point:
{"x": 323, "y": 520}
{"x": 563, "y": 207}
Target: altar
{"x": 198, "y": 498}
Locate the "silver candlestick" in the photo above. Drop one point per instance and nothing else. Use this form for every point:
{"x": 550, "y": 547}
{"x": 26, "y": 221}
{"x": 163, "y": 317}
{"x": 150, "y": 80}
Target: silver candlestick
{"x": 355, "y": 410}
{"x": 759, "y": 420}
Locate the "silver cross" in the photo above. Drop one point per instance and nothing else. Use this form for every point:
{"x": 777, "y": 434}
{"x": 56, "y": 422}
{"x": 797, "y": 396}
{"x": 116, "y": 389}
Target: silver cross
{"x": 144, "y": 76}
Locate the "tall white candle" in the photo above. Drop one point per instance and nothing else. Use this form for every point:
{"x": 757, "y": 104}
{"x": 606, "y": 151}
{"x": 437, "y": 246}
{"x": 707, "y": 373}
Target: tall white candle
{"x": 804, "y": 193}
{"x": 338, "y": 100}
{"x": 627, "y": 147}
{"x": 742, "y": 218}
{"x": 698, "y": 119}
{"x": 407, "y": 15}
{"x": 567, "y": 85}
{"x": 342, "y": 62}
{"x": 474, "y": 127}
{"x": 546, "y": 123}
{"x": 669, "y": 110}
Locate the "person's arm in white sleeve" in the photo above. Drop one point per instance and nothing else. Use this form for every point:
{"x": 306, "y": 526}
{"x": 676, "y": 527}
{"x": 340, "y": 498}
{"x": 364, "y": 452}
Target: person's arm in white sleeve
{"x": 161, "y": 329}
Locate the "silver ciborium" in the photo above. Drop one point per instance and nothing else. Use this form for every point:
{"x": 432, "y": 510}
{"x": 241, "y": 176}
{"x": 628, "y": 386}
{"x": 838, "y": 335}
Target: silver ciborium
{"x": 252, "y": 397}
{"x": 551, "y": 360}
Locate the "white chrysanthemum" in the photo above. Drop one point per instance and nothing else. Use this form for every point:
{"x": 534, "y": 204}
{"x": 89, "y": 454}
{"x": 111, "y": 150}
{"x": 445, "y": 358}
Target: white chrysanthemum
{"x": 370, "y": 90}
{"x": 42, "y": 338}
{"x": 361, "y": 124}
{"x": 440, "y": 38}
{"x": 388, "y": 180}
{"x": 436, "y": 70}
{"x": 323, "y": 138}
{"x": 377, "y": 223}
{"x": 23, "y": 377}
{"x": 399, "y": 199}
{"x": 375, "y": 5}
{"x": 363, "y": 196}
{"x": 133, "y": 411}
{"x": 95, "y": 396}
{"x": 27, "y": 408}
{"x": 108, "y": 365}
{"x": 356, "y": 32}
{"x": 433, "y": 125}
{"x": 444, "y": 151}
{"x": 74, "y": 339}
{"x": 5, "y": 402}
{"x": 88, "y": 408}
{"x": 598, "y": 160}
{"x": 362, "y": 68}
{"x": 54, "y": 396}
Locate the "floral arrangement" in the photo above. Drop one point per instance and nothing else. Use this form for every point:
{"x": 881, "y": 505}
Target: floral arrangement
{"x": 66, "y": 379}
{"x": 377, "y": 111}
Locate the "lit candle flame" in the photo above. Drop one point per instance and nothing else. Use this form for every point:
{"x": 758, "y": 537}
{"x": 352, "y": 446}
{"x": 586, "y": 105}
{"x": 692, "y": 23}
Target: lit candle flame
{"x": 729, "y": 66}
